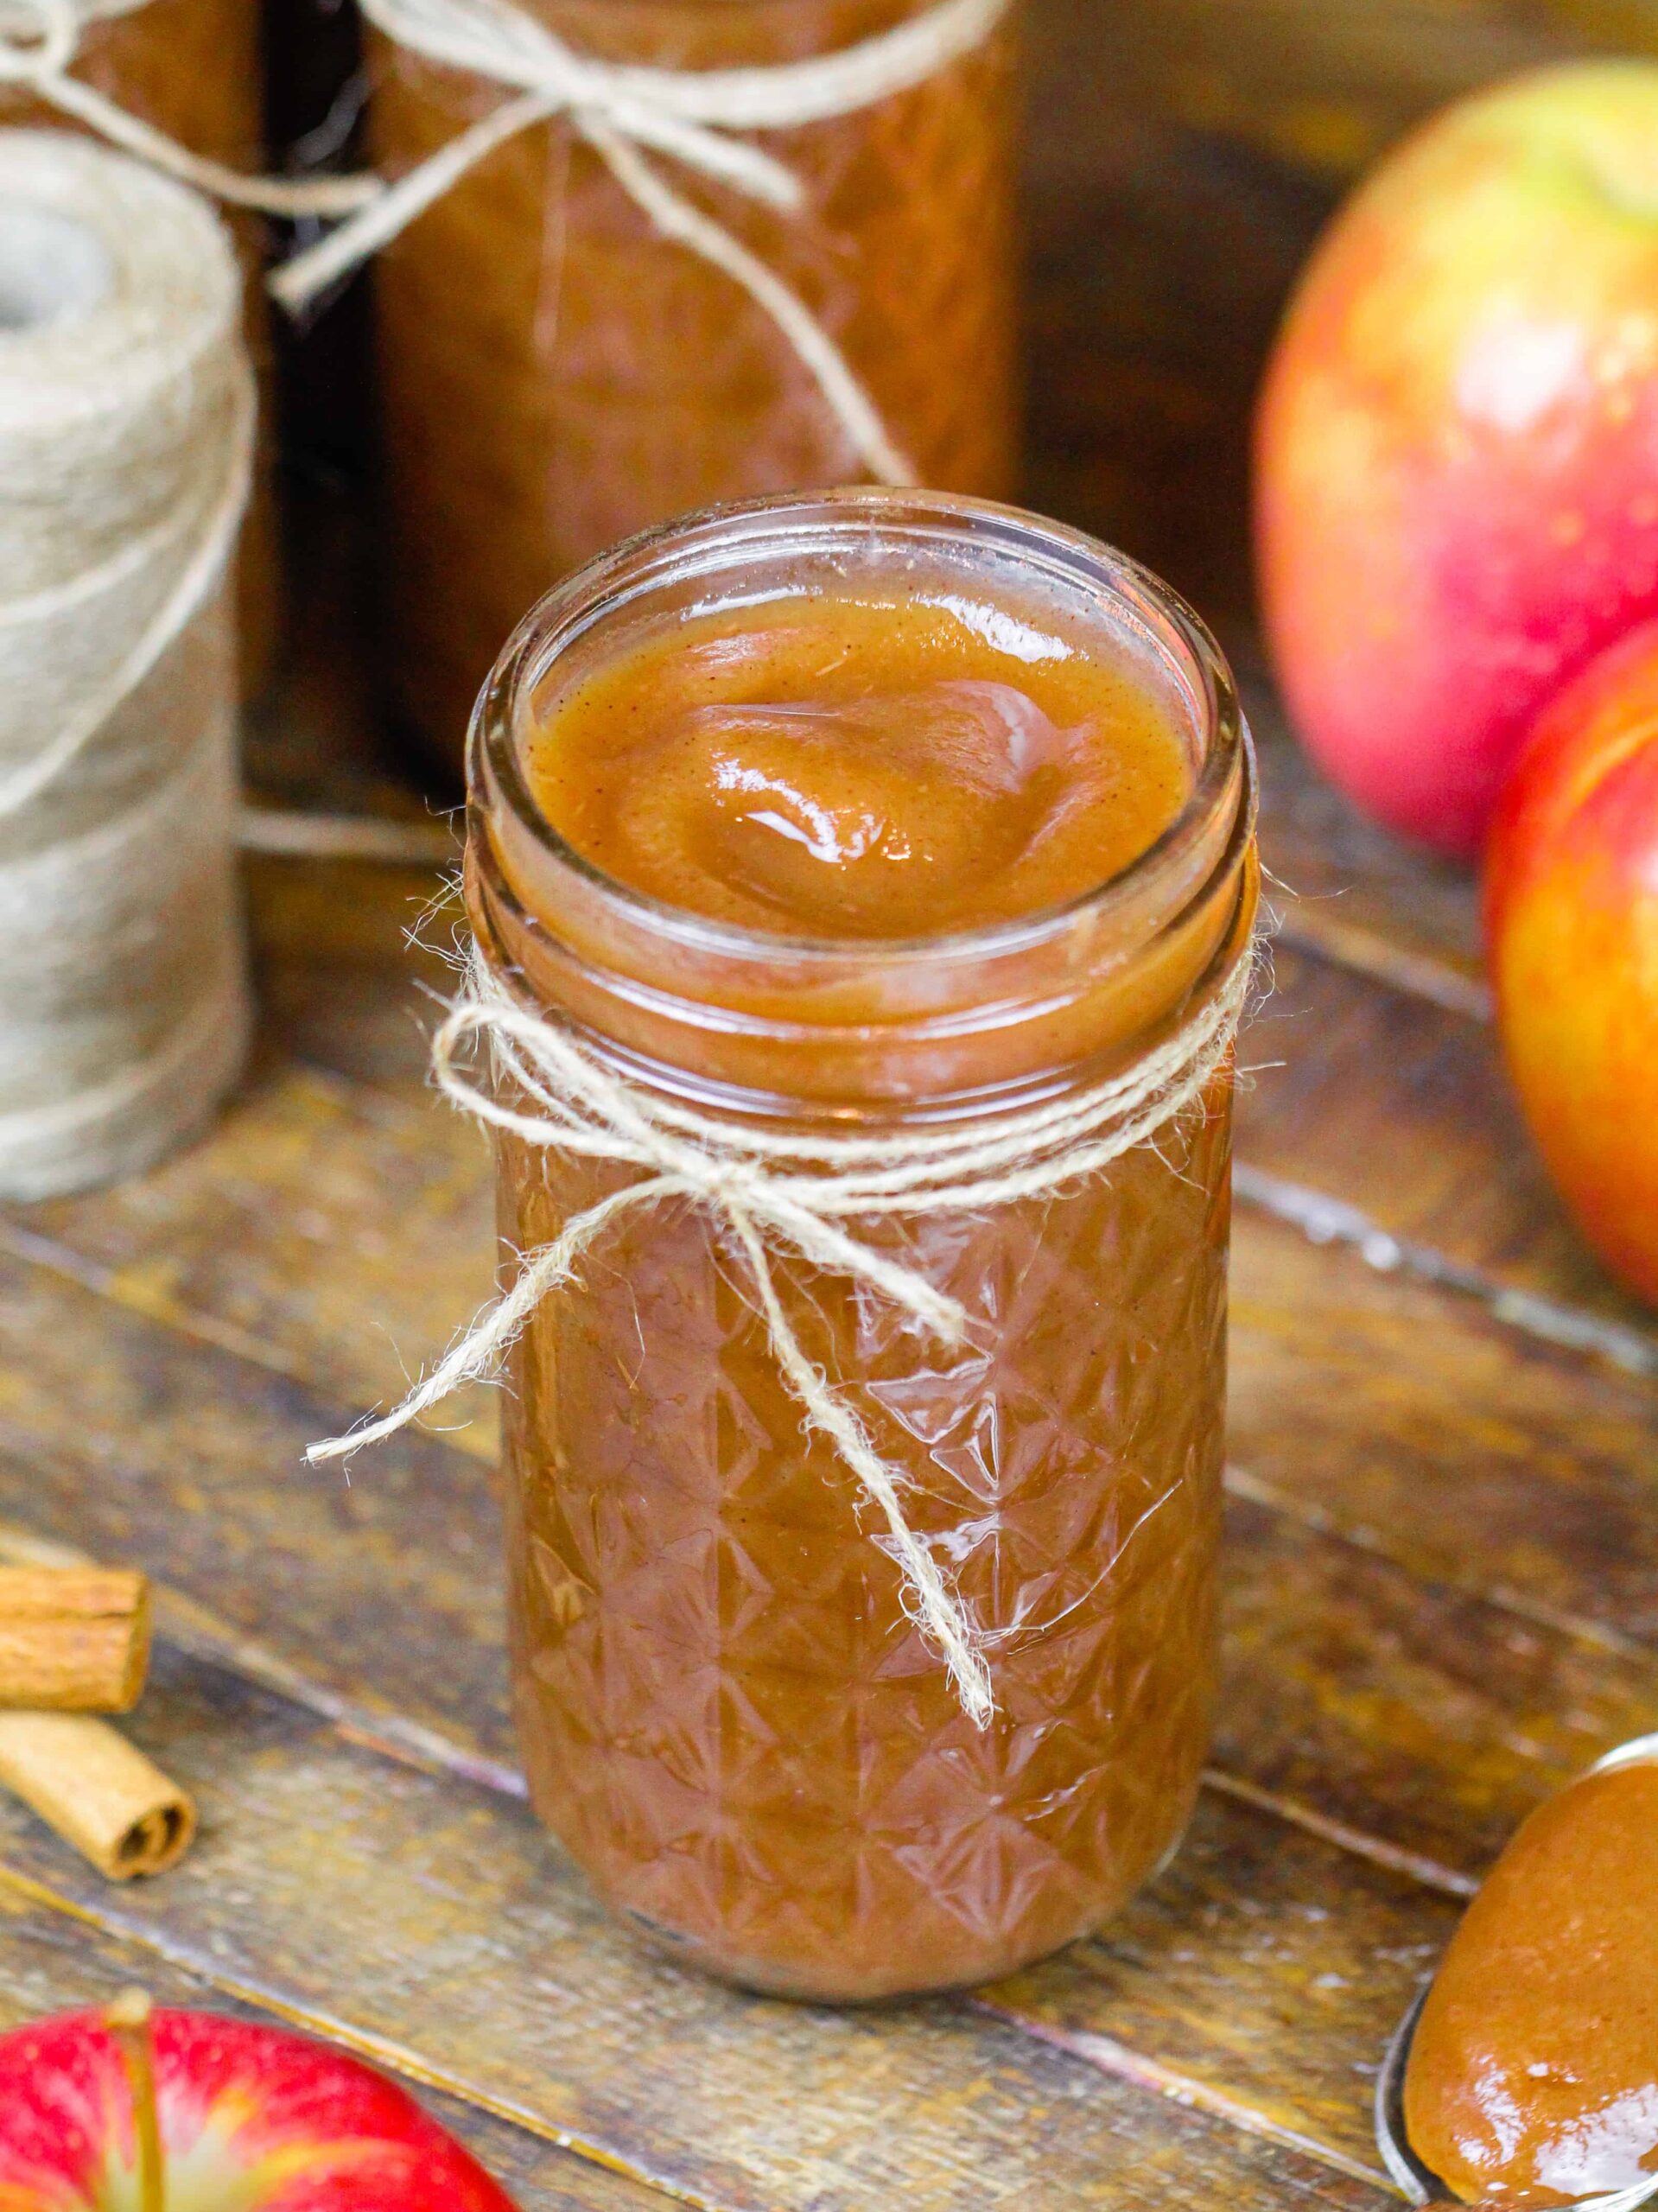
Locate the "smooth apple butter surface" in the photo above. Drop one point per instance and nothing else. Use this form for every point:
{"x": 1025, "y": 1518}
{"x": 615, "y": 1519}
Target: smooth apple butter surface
{"x": 1533, "y": 2077}
{"x": 827, "y": 857}
{"x": 851, "y": 767}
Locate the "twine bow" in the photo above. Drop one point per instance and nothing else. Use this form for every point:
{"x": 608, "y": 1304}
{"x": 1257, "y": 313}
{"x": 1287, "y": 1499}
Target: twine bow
{"x": 39, "y": 41}
{"x": 620, "y": 110}
{"x": 793, "y": 1194}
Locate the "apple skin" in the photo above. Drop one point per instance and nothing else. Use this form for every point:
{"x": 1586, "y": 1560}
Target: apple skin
{"x": 1571, "y": 932}
{"x": 252, "y": 2121}
{"x": 1457, "y": 447}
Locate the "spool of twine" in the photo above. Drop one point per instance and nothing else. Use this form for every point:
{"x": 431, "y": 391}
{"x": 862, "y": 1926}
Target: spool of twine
{"x": 126, "y": 434}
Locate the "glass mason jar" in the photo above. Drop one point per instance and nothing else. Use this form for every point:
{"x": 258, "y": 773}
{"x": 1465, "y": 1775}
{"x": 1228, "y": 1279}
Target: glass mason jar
{"x": 554, "y": 374}
{"x": 726, "y": 1712}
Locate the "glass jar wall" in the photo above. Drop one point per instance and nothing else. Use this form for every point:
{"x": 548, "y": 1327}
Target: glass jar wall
{"x": 728, "y": 1712}
{"x": 555, "y": 374}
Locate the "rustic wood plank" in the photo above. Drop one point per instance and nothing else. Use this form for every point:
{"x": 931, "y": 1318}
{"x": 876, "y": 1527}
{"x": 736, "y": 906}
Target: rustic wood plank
{"x": 1313, "y": 1989}
{"x": 340, "y": 1238}
{"x": 1358, "y": 1700}
{"x": 339, "y": 981}
{"x": 1377, "y": 1120}
{"x": 1327, "y": 84}
{"x": 324, "y": 1229}
{"x": 1381, "y": 1707}
{"x": 128, "y": 1440}
{"x": 1339, "y": 885}
{"x": 51, "y": 1961}
{"x": 1287, "y": 1683}
{"x": 1226, "y": 1986}
{"x": 1255, "y": 1979}
{"x": 418, "y": 1916}
{"x": 1353, "y": 1694}
{"x": 1422, "y": 1712}
{"x": 321, "y": 1229}
{"x": 1418, "y": 1426}
{"x": 1259, "y": 1978}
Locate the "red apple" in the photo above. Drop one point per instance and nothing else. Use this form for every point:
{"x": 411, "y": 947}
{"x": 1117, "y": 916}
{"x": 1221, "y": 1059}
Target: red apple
{"x": 1457, "y": 458}
{"x": 1572, "y": 927}
{"x": 237, "y": 2116}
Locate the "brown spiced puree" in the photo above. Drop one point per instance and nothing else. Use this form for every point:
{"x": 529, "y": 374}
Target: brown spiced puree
{"x": 1533, "y": 2071}
{"x": 855, "y": 768}
{"x": 725, "y": 1711}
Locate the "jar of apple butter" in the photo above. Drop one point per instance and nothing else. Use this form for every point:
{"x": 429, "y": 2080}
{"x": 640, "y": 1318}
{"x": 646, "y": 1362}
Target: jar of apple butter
{"x": 847, "y": 819}
{"x": 555, "y": 373}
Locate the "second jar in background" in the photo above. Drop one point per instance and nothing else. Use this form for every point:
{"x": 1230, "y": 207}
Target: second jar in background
{"x": 555, "y": 374}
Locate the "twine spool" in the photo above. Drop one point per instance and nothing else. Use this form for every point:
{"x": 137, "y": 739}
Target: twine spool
{"x": 126, "y": 433}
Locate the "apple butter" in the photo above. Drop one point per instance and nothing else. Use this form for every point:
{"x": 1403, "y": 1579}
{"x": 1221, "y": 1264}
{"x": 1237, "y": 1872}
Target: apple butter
{"x": 1532, "y": 2076}
{"x": 554, "y": 374}
{"x": 853, "y": 815}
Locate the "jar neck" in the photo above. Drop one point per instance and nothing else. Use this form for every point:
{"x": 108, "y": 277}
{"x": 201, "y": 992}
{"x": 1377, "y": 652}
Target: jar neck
{"x": 756, "y": 1023}
{"x": 1084, "y": 1016}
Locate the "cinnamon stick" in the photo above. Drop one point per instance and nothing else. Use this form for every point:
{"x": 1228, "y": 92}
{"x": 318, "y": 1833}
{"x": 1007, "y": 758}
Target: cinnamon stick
{"x": 73, "y": 1639}
{"x": 88, "y": 1783}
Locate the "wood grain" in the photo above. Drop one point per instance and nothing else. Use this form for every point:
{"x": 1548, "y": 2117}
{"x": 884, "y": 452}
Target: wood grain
{"x": 338, "y": 1237}
{"x": 413, "y": 1914}
{"x": 1399, "y": 1115}
{"x": 323, "y": 1230}
{"x": 1352, "y": 1691}
{"x": 1225, "y": 1985}
{"x": 1259, "y": 1978}
{"x": 1418, "y": 1426}
{"x": 122, "y": 1436}
{"x": 1442, "y": 1568}
{"x": 53, "y": 1962}
{"x": 1339, "y": 885}
{"x": 1423, "y": 1719}
{"x": 1401, "y": 1710}
{"x": 1418, "y": 1711}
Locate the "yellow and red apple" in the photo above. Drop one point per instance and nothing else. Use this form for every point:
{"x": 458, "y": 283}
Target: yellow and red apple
{"x": 239, "y": 2119}
{"x": 1571, "y": 932}
{"x": 1458, "y": 443}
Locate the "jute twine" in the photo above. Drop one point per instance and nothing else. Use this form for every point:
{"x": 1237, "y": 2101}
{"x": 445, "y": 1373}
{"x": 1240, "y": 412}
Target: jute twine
{"x": 624, "y": 111}
{"x": 40, "y": 41}
{"x": 126, "y": 430}
{"x": 791, "y": 1194}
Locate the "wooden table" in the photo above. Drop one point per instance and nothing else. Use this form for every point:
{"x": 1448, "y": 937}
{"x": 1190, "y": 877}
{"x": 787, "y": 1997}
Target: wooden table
{"x": 1442, "y": 1573}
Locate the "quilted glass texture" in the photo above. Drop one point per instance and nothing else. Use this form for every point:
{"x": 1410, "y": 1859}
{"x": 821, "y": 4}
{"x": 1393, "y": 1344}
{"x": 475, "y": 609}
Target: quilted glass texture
{"x": 725, "y": 1713}
{"x": 554, "y": 375}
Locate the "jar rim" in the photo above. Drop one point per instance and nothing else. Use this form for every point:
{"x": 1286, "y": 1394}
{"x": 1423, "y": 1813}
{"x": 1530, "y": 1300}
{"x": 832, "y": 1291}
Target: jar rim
{"x": 1223, "y": 789}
